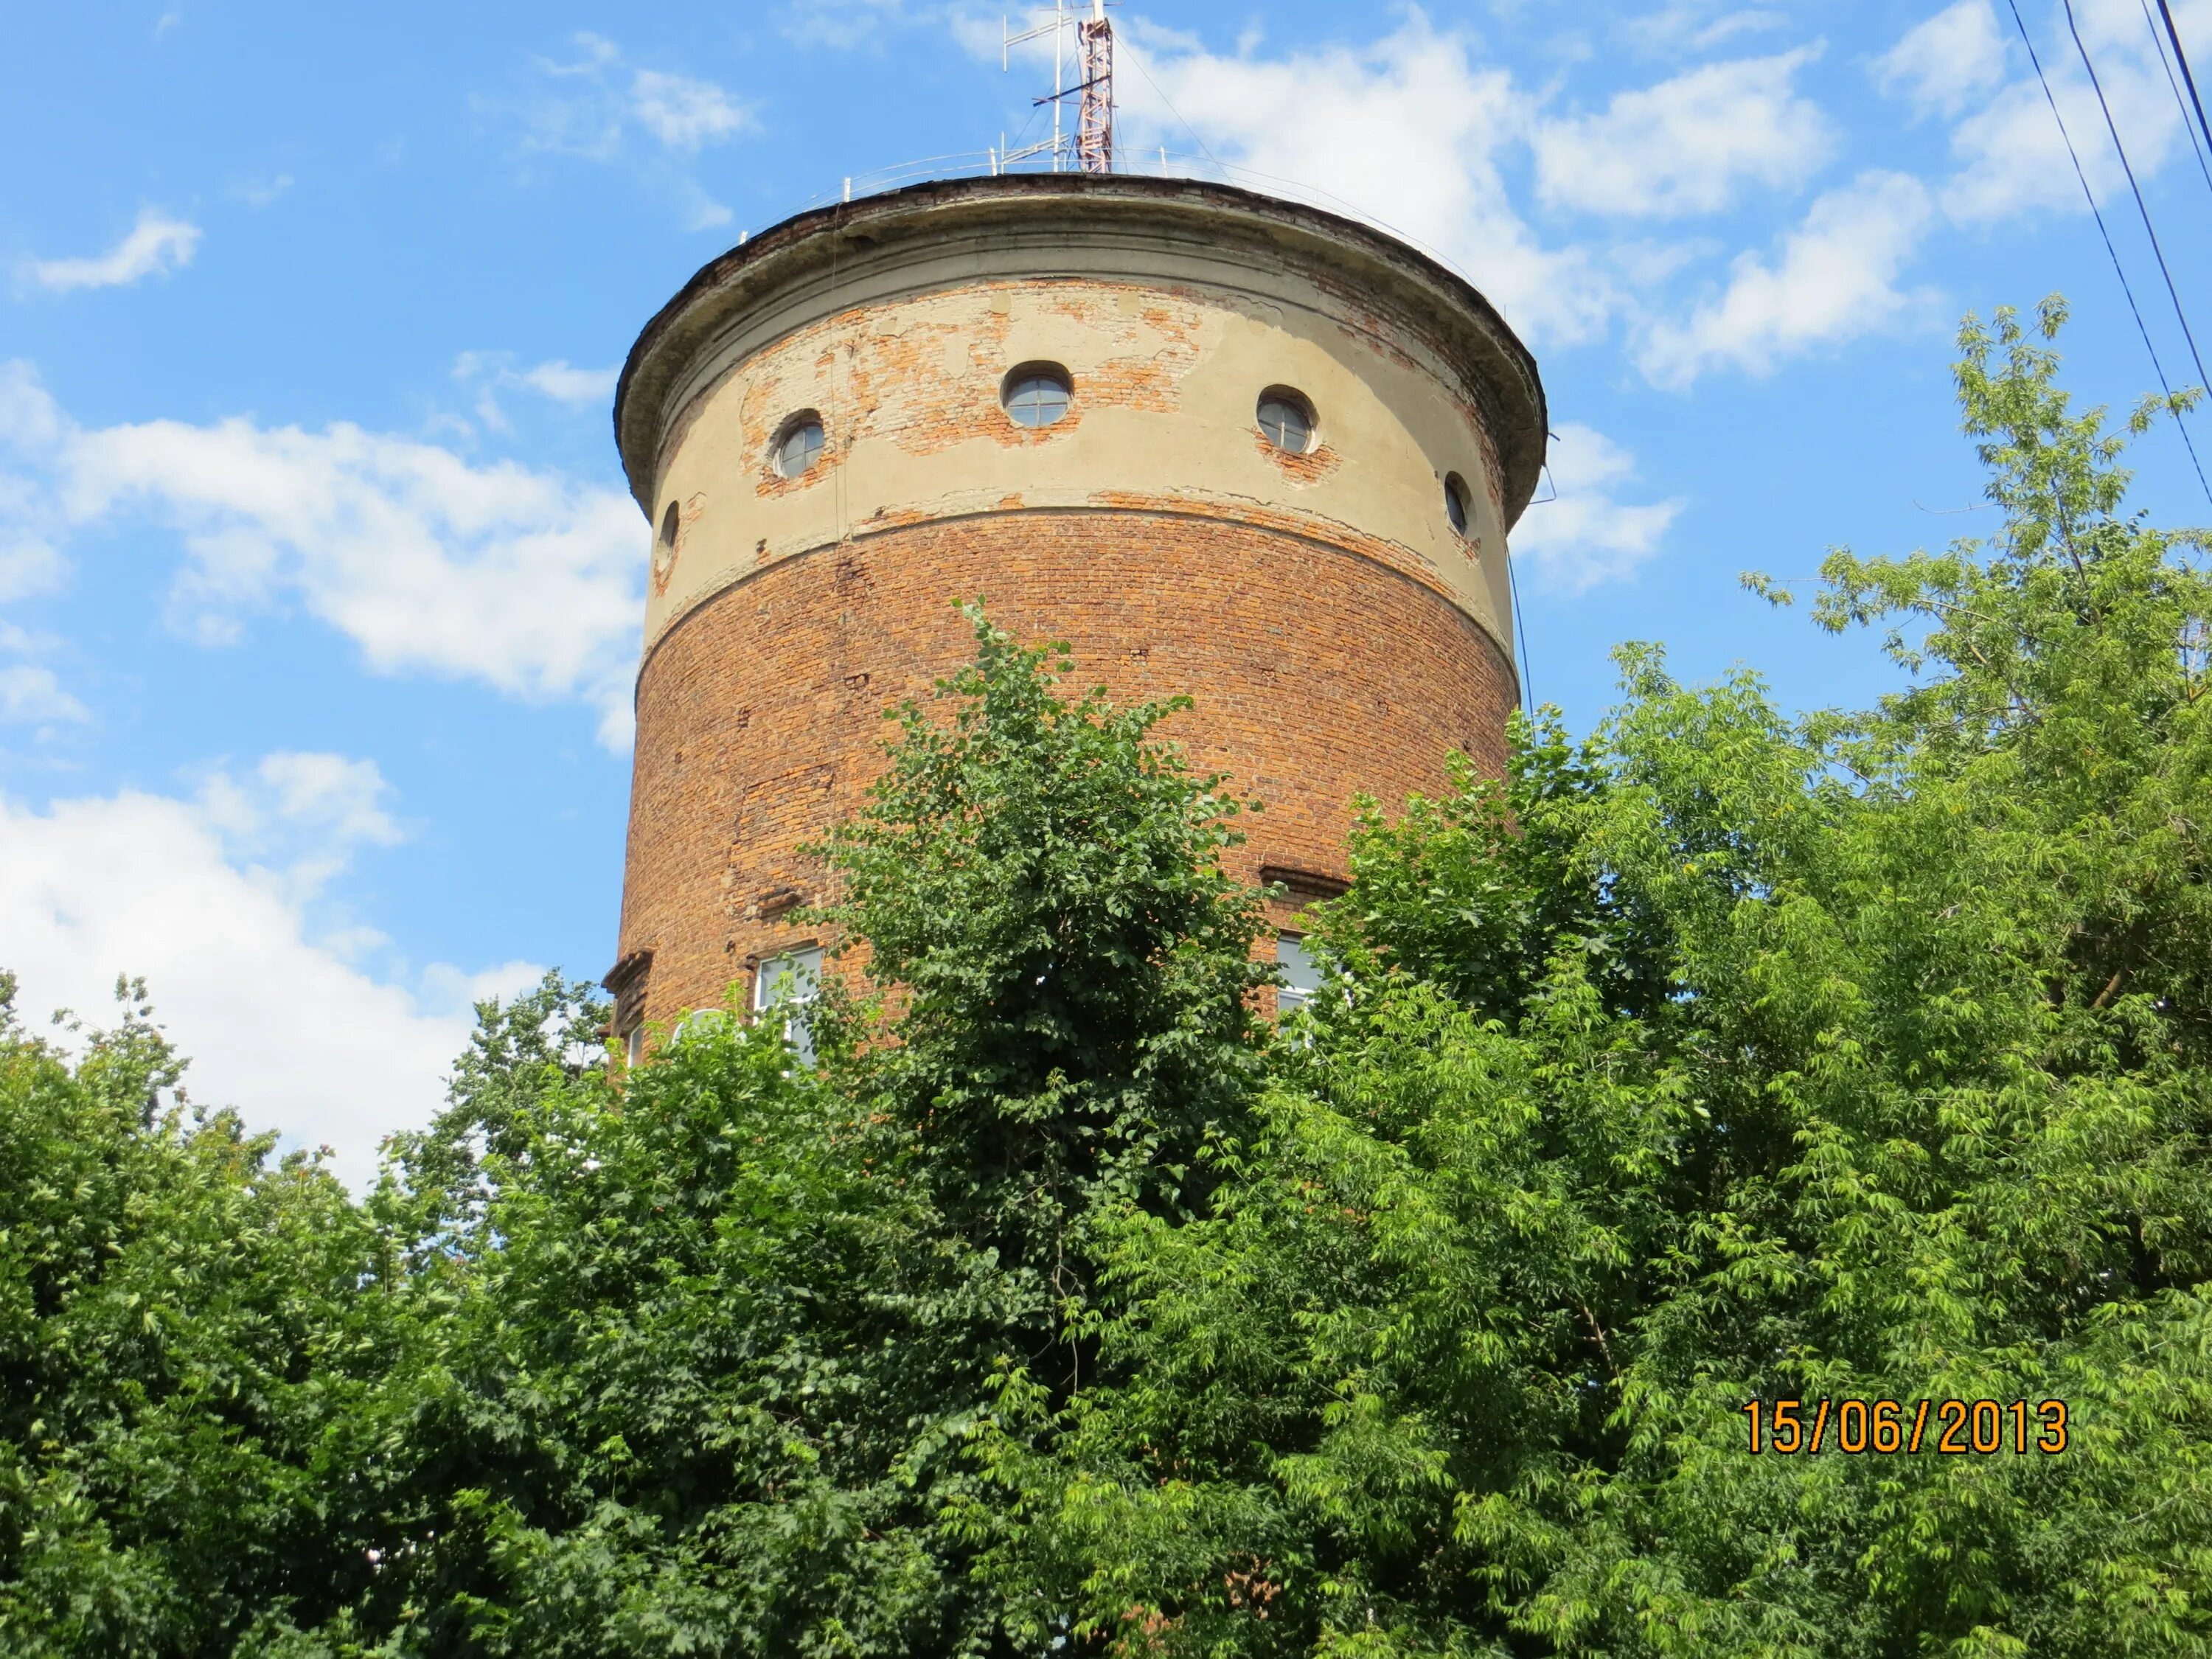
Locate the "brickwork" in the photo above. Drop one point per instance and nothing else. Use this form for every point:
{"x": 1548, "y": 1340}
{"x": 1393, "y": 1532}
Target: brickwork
{"x": 1339, "y": 630}
{"x": 1318, "y": 674}
{"x": 1162, "y": 415}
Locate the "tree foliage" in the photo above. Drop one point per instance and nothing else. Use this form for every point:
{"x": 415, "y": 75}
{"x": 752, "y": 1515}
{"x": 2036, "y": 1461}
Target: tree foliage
{"x": 1726, "y": 1057}
{"x": 187, "y": 1326}
{"x": 1722, "y": 1055}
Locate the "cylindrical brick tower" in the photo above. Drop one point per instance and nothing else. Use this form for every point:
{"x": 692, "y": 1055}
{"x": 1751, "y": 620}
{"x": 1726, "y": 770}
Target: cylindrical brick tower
{"x": 1221, "y": 443}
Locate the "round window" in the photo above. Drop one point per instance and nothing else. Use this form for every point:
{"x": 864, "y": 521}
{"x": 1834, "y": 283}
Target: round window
{"x": 1286, "y": 419}
{"x": 1037, "y": 394}
{"x": 1455, "y": 501}
{"x": 799, "y": 444}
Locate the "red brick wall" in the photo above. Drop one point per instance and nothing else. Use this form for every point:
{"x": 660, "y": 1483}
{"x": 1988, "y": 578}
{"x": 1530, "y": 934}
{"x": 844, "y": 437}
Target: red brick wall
{"x": 1317, "y": 675}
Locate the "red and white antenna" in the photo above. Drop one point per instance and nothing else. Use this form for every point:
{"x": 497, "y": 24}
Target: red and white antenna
{"x": 1094, "y": 127}
{"x": 1092, "y": 150}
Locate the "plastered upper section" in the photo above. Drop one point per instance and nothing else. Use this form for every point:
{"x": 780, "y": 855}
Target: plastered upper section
{"x": 901, "y": 346}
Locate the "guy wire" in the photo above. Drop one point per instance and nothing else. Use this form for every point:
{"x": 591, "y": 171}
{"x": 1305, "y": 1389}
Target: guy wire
{"x": 1139, "y": 61}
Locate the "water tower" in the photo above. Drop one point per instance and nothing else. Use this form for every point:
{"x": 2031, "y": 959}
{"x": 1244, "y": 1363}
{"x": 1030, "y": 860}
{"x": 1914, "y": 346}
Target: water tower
{"x": 1222, "y": 443}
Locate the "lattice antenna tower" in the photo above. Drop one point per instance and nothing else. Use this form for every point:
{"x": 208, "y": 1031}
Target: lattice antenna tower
{"x": 1092, "y": 148}
{"x": 1094, "y": 127}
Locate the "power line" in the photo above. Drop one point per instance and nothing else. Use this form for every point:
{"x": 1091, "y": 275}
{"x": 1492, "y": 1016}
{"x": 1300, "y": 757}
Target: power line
{"x": 2118, "y": 270}
{"x": 2142, "y": 206}
{"x": 2166, "y": 63}
{"x": 2182, "y": 58}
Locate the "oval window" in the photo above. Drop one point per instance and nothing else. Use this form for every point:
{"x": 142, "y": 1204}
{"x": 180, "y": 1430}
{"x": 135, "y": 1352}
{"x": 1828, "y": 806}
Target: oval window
{"x": 1455, "y": 501}
{"x": 799, "y": 444}
{"x": 1037, "y": 394}
{"x": 1286, "y": 419}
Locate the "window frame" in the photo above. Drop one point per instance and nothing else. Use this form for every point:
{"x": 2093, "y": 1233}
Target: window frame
{"x": 1297, "y": 404}
{"x": 1290, "y": 996}
{"x": 1459, "y": 506}
{"x": 1021, "y": 377}
{"x": 808, "y": 960}
{"x": 803, "y": 421}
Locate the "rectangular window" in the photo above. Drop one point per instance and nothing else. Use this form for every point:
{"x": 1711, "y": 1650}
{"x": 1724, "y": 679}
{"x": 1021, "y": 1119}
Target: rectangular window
{"x": 627, "y": 979}
{"x": 790, "y": 982}
{"x": 1301, "y": 975}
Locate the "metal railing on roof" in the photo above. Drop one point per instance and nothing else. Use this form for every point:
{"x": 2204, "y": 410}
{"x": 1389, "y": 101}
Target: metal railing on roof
{"x": 1157, "y": 162}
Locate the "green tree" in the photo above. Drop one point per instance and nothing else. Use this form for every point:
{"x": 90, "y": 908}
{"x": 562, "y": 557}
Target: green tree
{"x": 697, "y": 1354}
{"x": 1039, "y": 889}
{"x": 1720, "y": 1057}
{"x": 1725, "y": 1057}
{"x": 186, "y": 1324}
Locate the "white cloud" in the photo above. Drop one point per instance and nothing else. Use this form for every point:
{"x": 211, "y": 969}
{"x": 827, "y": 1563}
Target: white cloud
{"x": 701, "y": 211}
{"x": 584, "y": 105}
{"x": 1417, "y": 133}
{"x": 597, "y": 51}
{"x": 29, "y": 563}
{"x": 572, "y": 385}
{"x": 684, "y": 113}
{"x": 157, "y": 243}
{"x": 430, "y": 563}
{"x": 577, "y": 115}
{"x": 446, "y": 990}
{"x": 845, "y": 23}
{"x": 1585, "y": 537}
{"x": 490, "y": 372}
{"x": 594, "y": 107}
{"x": 31, "y": 696}
{"x": 304, "y": 813}
{"x": 1693, "y": 25}
{"x": 260, "y": 192}
{"x": 1944, "y": 62}
{"x": 1750, "y": 20}
{"x": 1687, "y": 145}
{"x": 2010, "y": 155}
{"x": 1834, "y": 280}
{"x": 277, "y": 1018}
{"x": 1408, "y": 132}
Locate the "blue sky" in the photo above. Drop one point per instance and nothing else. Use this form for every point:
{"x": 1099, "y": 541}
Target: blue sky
{"x": 319, "y": 589}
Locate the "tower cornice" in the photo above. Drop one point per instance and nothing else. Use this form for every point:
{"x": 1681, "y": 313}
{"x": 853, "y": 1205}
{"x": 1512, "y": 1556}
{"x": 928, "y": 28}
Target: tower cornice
{"x": 790, "y": 275}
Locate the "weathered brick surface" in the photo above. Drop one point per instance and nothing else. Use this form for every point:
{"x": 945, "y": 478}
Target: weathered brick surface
{"x": 1317, "y": 673}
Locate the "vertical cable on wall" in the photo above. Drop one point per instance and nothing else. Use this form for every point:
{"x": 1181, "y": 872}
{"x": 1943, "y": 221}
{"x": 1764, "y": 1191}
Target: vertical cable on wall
{"x": 1521, "y": 631}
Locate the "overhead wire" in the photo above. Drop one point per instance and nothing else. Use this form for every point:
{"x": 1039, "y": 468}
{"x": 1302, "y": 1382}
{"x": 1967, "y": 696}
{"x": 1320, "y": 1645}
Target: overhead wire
{"x": 2182, "y": 58}
{"x": 2118, "y": 269}
{"x": 1138, "y": 59}
{"x": 2166, "y": 63}
{"x": 2136, "y": 190}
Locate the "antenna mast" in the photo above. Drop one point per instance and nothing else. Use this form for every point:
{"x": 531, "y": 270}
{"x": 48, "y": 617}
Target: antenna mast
{"x": 1094, "y": 128}
{"x": 1093, "y": 146}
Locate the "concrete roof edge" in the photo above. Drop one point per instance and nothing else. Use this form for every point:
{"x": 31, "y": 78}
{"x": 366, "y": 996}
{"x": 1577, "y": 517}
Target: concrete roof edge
{"x": 1510, "y": 375}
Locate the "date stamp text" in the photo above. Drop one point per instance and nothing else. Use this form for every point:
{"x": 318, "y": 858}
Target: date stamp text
{"x": 1950, "y": 1428}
